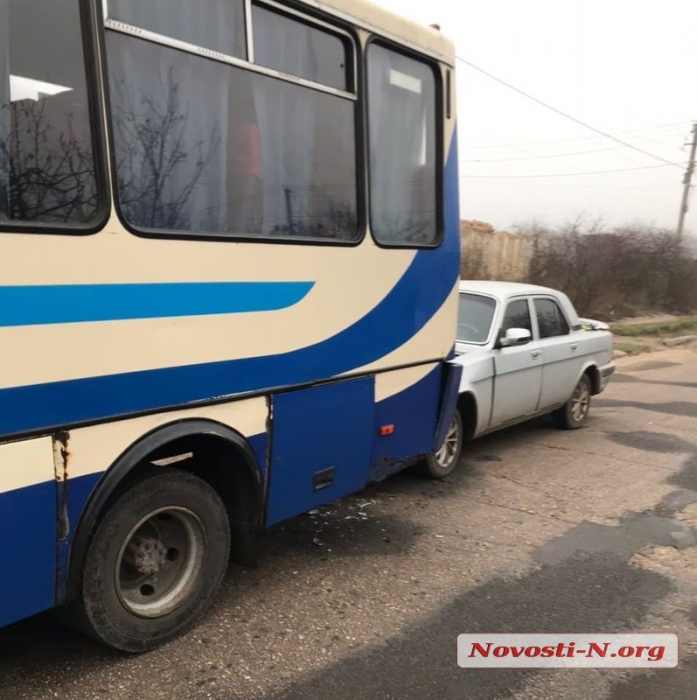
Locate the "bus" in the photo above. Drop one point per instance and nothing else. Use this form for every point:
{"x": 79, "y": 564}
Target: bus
{"x": 229, "y": 256}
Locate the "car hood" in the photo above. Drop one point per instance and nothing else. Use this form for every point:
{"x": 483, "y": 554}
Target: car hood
{"x": 589, "y": 324}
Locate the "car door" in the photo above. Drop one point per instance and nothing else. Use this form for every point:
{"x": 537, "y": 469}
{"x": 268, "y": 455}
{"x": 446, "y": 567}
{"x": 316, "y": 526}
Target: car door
{"x": 562, "y": 365}
{"x": 518, "y": 370}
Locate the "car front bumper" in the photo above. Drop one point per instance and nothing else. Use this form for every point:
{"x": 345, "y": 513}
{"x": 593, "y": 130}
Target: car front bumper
{"x": 606, "y": 372}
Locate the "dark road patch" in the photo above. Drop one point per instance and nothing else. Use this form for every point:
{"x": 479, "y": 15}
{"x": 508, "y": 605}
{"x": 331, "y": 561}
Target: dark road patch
{"x": 674, "y": 502}
{"x": 624, "y": 379}
{"x": 667, "y": 684}
{"x": 692, "y": 615}
{"x": 665, "y": 443}
{"x": 672, "y": 408}
{"x": 629, "y": 379}
{"x": 654, "y": 364}
{"x": 634, "y": 532}
{"x": 686, "y": 478}
{"x": 662, "y": 443}
{"x": 581, "y": 594}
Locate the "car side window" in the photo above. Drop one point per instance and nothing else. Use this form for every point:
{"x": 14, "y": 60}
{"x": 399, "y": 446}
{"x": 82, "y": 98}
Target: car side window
{"x": 517, "y": 316}
{"x": 550, "y": 319}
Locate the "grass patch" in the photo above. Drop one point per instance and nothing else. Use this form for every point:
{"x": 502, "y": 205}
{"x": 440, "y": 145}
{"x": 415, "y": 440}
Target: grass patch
{"x": 681, "y": 326}
{"x": 632, "y": 348}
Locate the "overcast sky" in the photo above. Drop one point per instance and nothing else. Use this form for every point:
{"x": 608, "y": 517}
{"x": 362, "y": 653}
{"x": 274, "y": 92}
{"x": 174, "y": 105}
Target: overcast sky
{"x": 623, "y": 66}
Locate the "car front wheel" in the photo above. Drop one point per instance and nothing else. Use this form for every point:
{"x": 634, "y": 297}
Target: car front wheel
{"x": 444, "y": 461}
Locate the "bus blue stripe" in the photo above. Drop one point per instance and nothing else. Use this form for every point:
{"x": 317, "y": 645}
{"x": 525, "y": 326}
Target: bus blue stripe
{"x": 406, "y": 309}
{"x": 81, "y": 303}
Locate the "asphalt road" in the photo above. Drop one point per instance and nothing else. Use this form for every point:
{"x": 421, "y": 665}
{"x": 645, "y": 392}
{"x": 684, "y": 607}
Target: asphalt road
{"x": 538, "y": 531}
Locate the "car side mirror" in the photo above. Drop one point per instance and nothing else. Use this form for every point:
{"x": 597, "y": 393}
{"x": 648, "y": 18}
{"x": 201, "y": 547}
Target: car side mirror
{"x": 514, "y": 337}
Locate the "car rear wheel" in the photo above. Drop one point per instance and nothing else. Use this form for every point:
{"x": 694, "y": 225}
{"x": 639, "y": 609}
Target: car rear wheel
{"x": 155, "y": 563}
{"x": 573, "y": 414}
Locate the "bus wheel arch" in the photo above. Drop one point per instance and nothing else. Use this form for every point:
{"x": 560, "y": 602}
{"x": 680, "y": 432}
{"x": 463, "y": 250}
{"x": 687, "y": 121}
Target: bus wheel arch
{"x": 239, "y": 484}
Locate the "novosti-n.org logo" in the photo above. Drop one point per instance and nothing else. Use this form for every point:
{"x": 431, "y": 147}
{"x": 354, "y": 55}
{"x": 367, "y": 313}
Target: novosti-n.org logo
{"x": 567, "y": 650}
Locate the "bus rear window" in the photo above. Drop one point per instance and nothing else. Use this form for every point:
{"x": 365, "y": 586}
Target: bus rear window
{"x": 403, "y": 148}
{"x": 47, "y": 169}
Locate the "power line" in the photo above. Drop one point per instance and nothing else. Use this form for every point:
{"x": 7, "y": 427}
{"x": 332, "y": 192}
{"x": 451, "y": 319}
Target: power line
{"x": 564, "y": 114}
{"x": 528, "y": 154}
{"x": 675, "y": 126}
{"x": 597, "y": 172}
{"x": 545, "y": 156}
{"x": 605, "y": 186}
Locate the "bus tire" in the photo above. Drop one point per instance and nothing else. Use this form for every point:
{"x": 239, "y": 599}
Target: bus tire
{"x": 155, "y": 562}
{"x": 443, "y": 462}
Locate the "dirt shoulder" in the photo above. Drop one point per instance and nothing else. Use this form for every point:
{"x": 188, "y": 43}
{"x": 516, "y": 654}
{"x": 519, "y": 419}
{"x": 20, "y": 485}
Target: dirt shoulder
{"x": 652, "y": 334}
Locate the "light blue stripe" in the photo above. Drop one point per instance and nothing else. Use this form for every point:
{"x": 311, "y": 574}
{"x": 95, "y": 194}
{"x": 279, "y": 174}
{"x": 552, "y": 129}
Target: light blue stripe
{"x": 82, "y": 303}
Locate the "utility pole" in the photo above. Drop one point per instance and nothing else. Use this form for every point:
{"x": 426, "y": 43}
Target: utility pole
{"x": 688, "y": 181}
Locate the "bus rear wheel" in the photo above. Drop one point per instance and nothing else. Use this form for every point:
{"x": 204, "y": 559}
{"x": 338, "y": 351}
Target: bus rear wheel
{"x": 155, "y": 562}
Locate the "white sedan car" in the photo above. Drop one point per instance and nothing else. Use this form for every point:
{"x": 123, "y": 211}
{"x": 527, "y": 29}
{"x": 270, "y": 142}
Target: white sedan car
{"x": 525, "y": 353}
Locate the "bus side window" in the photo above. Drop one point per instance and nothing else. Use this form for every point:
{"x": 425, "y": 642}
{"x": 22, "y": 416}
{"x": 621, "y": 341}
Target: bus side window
{"x": 218, "y": 25}
{"x": 202, "y": 146}
{"x": 296, "y": 47}
{"x": 47, "y": 164}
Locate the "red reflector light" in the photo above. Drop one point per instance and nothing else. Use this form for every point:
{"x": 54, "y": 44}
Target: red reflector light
{"x": 386, "y": 430}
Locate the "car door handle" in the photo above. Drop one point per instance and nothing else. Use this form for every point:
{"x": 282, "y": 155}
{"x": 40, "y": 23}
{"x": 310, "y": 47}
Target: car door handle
{"x": 574, "y": 347}
{"x": 535, "y": 354}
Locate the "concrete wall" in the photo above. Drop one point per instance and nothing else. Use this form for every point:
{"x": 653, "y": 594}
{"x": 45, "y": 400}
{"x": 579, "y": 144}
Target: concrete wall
{"x": 491, "y": 254}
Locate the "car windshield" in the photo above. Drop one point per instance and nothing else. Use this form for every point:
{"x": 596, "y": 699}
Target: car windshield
{"x": 474, "y": 318}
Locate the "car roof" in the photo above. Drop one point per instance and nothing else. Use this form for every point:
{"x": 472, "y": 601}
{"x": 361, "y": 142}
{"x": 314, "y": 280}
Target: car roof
{"x": 503, "y": 290}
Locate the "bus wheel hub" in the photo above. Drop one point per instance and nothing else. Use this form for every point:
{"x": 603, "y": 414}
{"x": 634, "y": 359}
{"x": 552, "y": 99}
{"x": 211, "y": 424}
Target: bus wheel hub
{"x": 146, "y": 555}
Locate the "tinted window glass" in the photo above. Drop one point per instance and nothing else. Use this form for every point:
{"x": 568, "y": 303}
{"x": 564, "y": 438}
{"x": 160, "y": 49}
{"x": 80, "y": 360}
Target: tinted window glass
{"x": 475, "y": 314}
{"x": 402, "y": 122}
{"x": 202, "y": 146}
{"x": 212, "y": 24}
{"x": 550, "y": 319}
{"x": 291, "y": 46}
{"x": 47, "y": 171}
{"x": 517, "y": 316}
